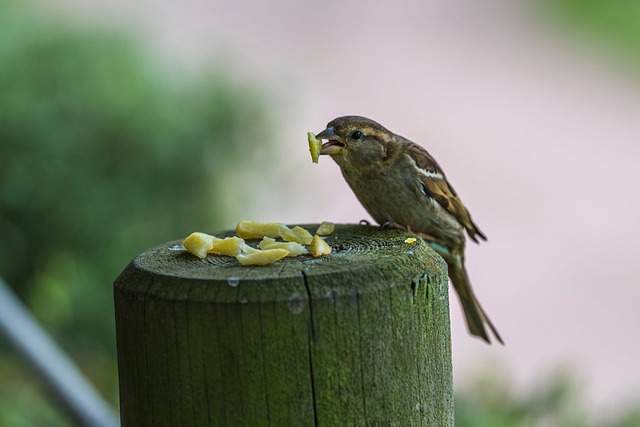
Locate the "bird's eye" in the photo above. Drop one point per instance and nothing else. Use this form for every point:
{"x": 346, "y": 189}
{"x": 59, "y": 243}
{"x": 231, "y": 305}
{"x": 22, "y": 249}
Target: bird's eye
{"x": 356, "y": 134}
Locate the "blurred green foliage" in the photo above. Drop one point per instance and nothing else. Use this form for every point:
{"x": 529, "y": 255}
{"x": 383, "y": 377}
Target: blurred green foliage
{"x": 104, "y": 153}
{"x": 23, "y": 402}
{"x": 491, "y": 402}
{"x": 614, "y": 25}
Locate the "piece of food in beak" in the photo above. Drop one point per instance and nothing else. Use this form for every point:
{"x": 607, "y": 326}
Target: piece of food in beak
{"x": 325, "y": 228}
{"x": 315, "y": 145}
{"x": 257, "y": 230}
{"x": 331, "y": 147}
{"x": 199, "y": 244}
{"x": 265, "y": 257}
{"x": 334, "y": 144}
{"x": 319, "y": 247}
{"x": 294, "y": 248}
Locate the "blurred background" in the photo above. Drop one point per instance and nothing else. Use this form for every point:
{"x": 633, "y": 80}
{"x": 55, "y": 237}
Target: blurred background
{"x": 127, "y": 124}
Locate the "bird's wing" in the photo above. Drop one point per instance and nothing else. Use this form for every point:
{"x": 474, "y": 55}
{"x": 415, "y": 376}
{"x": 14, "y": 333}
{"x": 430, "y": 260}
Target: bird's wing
{"x": 435, "y": 185}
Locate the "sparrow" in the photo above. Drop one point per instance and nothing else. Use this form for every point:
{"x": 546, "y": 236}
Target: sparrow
{"x": 402, "y": 186}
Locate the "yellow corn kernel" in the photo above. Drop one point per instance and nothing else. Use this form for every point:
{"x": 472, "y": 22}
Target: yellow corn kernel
{"x": 230, "y": 246}
{"x": 257, "y": 230}
{"x": 295, "y": 234}
{"x": 265, "y": 257}
{"x": 410, "y": 240}
{"x": 319, "y": 247}
{"x": 294, "y": 248}
{"x": 315, "y": 145}
{"x": 199, "y": 244}
{"x": 325, "y": 228}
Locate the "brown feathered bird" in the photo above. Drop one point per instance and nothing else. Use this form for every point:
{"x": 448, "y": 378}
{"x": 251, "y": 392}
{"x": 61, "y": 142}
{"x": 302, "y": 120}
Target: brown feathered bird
{"x": 401, "y": 185}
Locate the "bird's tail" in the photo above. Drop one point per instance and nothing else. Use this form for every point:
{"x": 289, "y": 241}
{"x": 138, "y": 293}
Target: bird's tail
{"x": 476, "y": 317}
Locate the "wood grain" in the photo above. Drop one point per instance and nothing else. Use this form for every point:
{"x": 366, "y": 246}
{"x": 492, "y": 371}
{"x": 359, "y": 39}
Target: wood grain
{"x": 360, "y": 337}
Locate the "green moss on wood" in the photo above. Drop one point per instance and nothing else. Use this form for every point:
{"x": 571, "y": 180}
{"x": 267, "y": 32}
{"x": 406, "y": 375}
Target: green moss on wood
{"x": 360, "y": 337}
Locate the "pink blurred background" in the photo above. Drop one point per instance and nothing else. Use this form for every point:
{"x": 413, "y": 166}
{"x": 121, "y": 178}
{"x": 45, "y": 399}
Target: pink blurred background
{"x": 537, "y": 131}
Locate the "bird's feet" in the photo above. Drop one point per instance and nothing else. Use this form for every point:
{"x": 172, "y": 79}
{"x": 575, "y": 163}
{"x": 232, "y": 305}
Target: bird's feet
{"x": 396, "y": 226}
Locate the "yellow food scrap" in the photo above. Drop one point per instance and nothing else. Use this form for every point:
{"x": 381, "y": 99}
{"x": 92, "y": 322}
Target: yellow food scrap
{"x": 257, "y": 230}
{"x": 294, "y": 248}
{"x": 246, "y": 249}
{"x": 319, "y": 247}
{"x": 199, "y": 244}
{"x": 265, "y": 257}
{"x": 315, "y": 145}
{"x": 325, "y": 228}
{"x": 295, "y": 234}
{"x": 410, "y": 240}
{"x": 230, "y": 246}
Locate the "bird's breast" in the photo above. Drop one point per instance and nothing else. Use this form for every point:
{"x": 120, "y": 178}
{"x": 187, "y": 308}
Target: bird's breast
{"x": 393, "y": 197}
{"x": 384, "y": 194}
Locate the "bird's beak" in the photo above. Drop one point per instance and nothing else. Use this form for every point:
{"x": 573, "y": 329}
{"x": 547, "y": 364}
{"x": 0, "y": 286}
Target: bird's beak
{"x": 334, "y": 144}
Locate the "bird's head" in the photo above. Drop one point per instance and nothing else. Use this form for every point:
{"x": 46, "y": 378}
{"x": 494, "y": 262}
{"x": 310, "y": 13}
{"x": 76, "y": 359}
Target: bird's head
{"x": 355, "y": 141}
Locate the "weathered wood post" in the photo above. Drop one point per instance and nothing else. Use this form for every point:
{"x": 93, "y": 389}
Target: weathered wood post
{"x": 360, "y": 337}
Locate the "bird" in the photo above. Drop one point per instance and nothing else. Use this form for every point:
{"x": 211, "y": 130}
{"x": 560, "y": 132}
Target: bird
{"x": 402, "y": 186}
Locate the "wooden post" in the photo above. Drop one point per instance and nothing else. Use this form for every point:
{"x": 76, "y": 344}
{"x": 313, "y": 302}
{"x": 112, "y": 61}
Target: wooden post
{"x": 360, "y": 337}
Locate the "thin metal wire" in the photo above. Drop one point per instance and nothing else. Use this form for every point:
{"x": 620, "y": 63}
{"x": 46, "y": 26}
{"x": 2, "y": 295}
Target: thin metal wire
{"x": 65, "y": 382}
